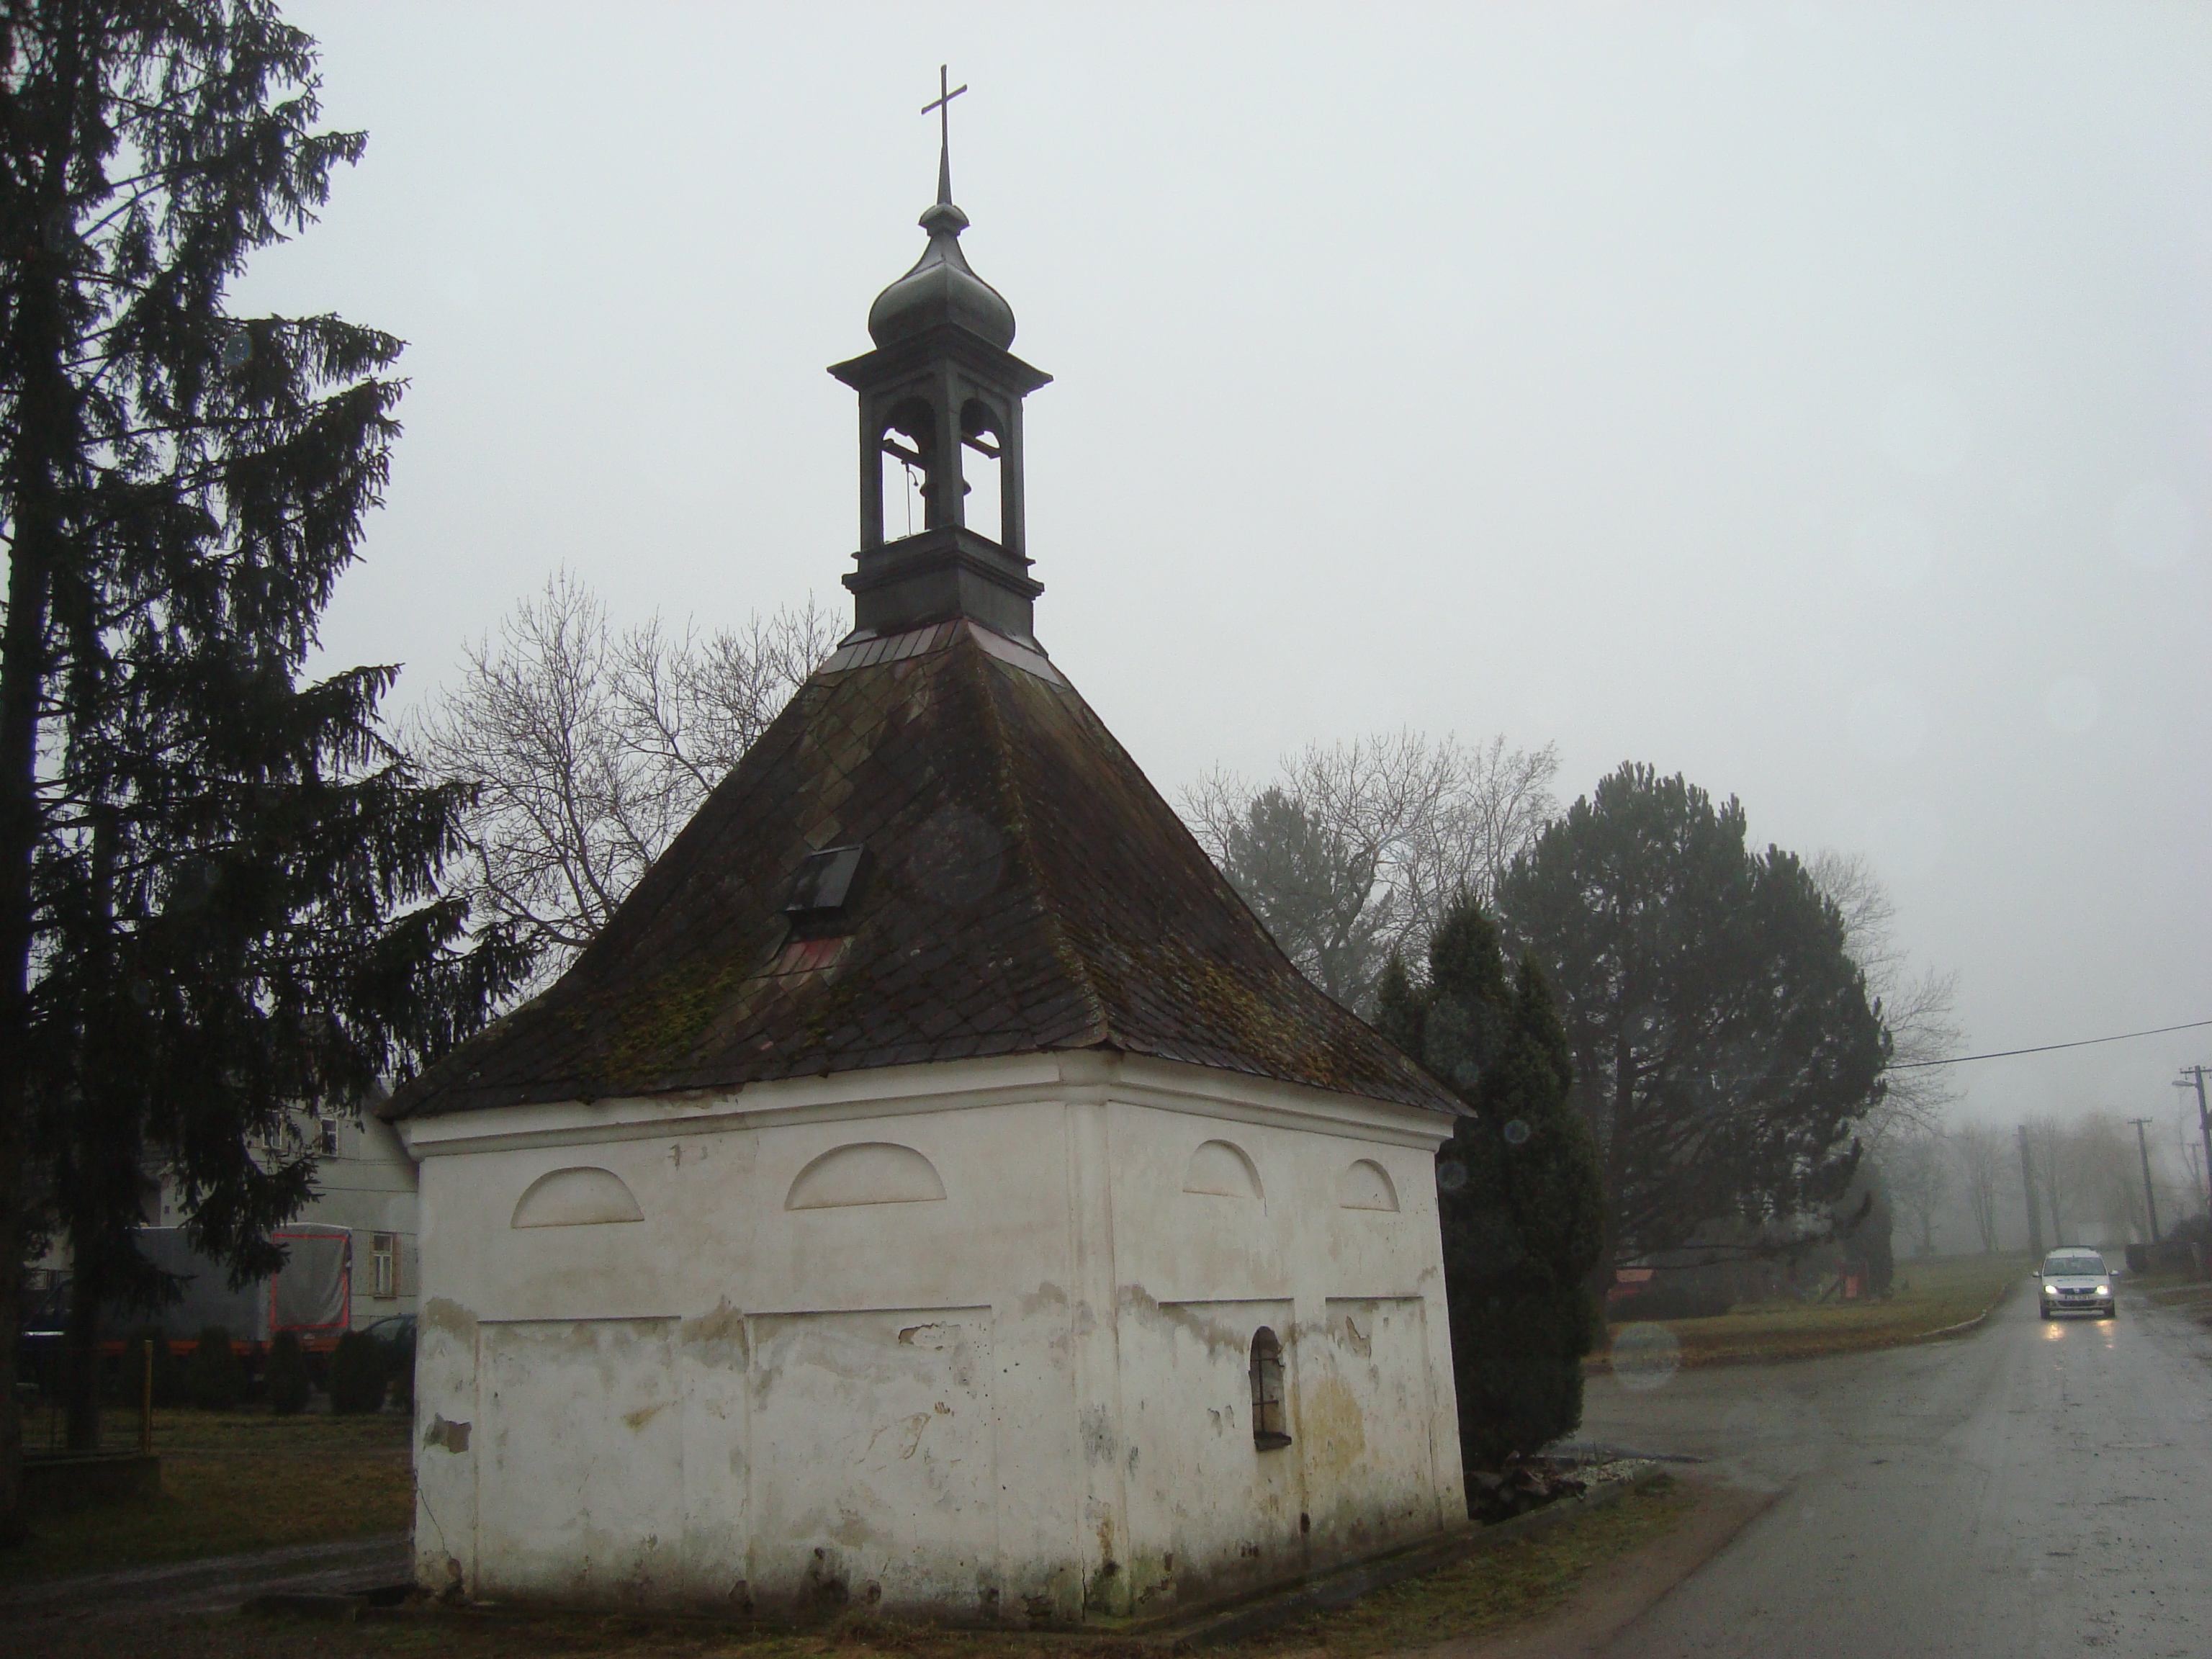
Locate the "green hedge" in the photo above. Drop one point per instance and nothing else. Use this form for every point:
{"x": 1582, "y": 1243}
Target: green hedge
{"x": 287, "y": 1376}
{"x": 357, "y": 1373}
{"x": 214, "y": 1376}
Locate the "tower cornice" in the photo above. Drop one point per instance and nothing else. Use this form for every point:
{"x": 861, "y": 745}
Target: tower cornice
{"x": 941, "y": 341}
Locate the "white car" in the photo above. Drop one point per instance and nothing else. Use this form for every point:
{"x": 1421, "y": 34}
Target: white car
{"x": 2075, "y": 1281}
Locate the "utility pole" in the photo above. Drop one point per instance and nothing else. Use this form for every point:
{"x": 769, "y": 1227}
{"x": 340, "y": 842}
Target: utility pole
{"x": 2196, "y": 1074}
{"x": 2027, "y": 1188}
{"x": 2142, "y": 1148}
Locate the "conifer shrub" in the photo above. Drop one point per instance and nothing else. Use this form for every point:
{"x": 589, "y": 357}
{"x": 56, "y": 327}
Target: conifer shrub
{"x": 287, "y": 1376}
{"x": 399, "y": 1362}
{"x": 1518, "y": 1187}
{"x": 357, "y": 1373}
{"x": 214, "y": 1378}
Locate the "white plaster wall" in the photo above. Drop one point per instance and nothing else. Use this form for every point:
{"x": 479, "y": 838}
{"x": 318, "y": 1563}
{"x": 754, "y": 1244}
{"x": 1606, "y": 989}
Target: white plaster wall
{"x": 1026, "y": 1400}
{"x": 1374, "y": 1454}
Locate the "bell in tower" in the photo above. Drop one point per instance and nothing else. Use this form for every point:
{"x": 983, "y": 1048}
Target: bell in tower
{"x": 941, "y": 397}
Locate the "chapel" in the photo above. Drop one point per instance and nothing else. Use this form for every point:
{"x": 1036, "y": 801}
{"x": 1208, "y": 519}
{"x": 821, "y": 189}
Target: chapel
{"x": 933, "y": 1191}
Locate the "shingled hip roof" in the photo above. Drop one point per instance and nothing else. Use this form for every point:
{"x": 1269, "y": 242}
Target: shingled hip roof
{"x": 1025, "y": 889}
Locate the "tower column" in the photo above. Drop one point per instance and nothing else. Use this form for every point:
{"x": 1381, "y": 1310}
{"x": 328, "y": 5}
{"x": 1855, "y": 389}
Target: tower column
{"x": 1013, "y": 495}
{"x": 871, "y": 480}
{"x": 946, "y": 482}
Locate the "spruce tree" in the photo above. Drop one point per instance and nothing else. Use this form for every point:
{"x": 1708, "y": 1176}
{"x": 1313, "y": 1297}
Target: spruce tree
{"x": 218, "y": 884}
{"x": 1519, "y": 1192}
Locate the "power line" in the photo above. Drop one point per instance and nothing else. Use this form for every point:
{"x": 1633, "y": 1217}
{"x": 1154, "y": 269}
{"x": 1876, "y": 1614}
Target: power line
{"x": 2044, "y": 1048}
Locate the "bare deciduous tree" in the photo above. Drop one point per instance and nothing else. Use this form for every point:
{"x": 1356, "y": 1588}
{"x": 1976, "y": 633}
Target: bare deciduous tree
{"x": 1919, "y": 1009}
{"x": 2110, "y": 1174}
{"x": 1502, "y": 801}
{"x": 1917, "y": 1163}
{"x": 589, "y": 748}
{"x": 1985, "y": 1157}
{"x": 1357, "y": 849}
{"x": 2050, "y": 1148}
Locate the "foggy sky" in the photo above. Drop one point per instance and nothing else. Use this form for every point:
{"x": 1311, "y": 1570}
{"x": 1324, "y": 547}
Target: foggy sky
{"x": 1813, "y": 399}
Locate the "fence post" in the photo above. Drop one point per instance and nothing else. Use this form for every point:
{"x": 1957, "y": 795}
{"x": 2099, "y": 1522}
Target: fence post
{"x": 146, "y": 1405}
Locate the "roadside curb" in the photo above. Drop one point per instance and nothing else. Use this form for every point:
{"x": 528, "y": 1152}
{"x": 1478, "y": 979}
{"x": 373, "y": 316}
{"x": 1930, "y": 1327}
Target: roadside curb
{"x": 1967, "y": 1326}
{"x": 1598, "y": 1365}
{"x": 1348, "y": 1584}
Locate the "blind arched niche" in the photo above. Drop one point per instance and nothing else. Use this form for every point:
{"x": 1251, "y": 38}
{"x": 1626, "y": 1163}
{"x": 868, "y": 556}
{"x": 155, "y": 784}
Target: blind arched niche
{"x": 870, "y": 1172}
{"x": 576, "y": 1198}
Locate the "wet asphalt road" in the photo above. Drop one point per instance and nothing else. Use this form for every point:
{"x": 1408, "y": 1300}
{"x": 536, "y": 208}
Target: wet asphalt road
{"x": 2033, "y": 1489}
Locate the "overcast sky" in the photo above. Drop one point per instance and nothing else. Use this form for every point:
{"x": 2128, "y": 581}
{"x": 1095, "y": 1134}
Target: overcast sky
{"x": 1814, "y": 400}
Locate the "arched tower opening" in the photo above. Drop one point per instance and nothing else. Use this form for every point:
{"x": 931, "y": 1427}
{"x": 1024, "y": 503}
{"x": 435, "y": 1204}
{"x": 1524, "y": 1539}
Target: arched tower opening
{"x": 982, "y": 452}
{"x": 908, "y": 446}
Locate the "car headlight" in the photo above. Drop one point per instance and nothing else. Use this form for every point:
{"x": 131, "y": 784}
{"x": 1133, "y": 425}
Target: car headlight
{"x": 2103, "y": 1289}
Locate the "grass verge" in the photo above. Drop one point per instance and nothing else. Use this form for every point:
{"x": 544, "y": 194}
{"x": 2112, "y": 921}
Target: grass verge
{"x": 1497, "y": 1590}
{"x": 231, "y": 1482}
{"x": 1930, "y": 1296}
{"x": 1493, "y": 1591}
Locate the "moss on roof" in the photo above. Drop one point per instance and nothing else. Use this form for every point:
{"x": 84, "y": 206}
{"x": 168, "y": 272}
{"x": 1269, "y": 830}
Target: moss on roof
{"x": 1026, "y": 890}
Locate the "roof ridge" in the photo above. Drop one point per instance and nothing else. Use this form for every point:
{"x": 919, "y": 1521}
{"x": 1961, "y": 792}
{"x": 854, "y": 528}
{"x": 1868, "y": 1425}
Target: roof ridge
{"x": 972, "y": 659}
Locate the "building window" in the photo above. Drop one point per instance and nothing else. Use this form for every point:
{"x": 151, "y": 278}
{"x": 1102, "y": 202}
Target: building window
{"x": 1270, "y": 1429}
{"x": 329, "y": 1127}
{"x": 383, "y": 1264}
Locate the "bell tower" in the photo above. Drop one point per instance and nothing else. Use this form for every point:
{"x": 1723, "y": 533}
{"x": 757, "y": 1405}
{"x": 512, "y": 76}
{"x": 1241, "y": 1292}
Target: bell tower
{"x": 941, "y": 398}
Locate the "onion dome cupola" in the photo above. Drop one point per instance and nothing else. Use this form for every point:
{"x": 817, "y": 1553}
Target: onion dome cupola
{"x": 941, "y": 487}
{"x": 941, "y": 287}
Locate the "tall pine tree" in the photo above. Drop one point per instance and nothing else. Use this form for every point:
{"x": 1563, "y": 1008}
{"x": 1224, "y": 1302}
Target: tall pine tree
{"x": 218, "y": 884}
{"x": 1518, "y": 1191}
{"x": 1723, "y": 1039}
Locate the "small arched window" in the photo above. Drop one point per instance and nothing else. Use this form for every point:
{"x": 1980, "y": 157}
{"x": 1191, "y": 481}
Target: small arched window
{"x": 1270, "y": 1427}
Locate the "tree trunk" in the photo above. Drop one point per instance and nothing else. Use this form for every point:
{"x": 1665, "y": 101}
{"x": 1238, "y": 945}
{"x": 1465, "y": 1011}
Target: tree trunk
{"x": 1612, "y": 1141}
{"x": 81, "y": 1353}
{"x": 20, "y": 674}
{"x": 22, "y": 666}
{"x": 45, "y": 414}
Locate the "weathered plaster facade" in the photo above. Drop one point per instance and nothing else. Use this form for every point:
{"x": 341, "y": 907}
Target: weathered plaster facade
{"x": 969, "y": 1339}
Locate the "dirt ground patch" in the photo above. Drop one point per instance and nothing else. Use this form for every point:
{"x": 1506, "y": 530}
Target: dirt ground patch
{"x": 1930, "y": 1296}
{"x": 1497, "y": 1591}
{"x": 2192, "y": 1297}
{"x": 231, "y": 1482}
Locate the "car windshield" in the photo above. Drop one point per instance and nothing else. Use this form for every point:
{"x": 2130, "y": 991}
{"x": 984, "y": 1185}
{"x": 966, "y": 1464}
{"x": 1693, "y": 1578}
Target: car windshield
{"x": 2062, "y": 1267}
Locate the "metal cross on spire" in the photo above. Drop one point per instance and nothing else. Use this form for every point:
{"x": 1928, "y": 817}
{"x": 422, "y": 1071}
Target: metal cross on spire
{"x": 943, "y": 106}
